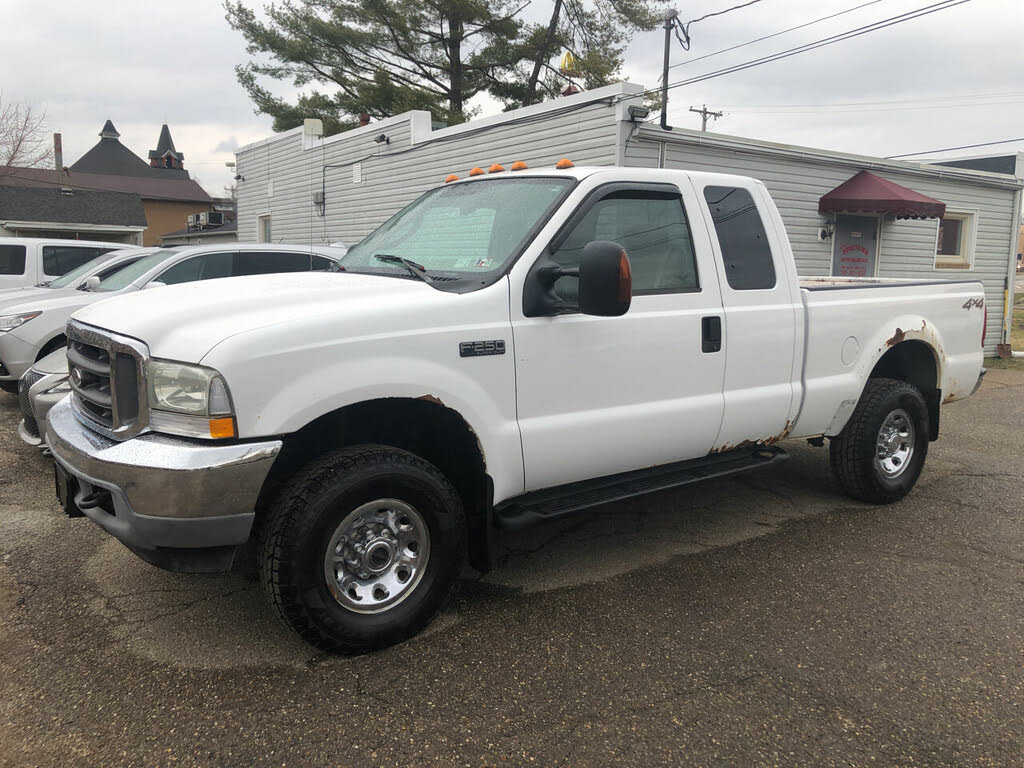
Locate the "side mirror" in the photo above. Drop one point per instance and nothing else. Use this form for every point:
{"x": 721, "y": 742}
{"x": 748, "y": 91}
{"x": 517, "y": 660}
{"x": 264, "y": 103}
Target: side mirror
{"x": 91, "y": 283}
{"x": 153, "y": 284}
{"x": 606, "y": 284}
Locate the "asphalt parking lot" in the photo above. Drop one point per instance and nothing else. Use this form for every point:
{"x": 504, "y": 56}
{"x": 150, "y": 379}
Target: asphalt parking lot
{"x": 761, "y": 620}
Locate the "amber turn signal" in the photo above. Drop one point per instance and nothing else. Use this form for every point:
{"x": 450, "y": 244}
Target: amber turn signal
{"x": 222, "y": 427}
{"x": 450, "y": 178}
{"x": 518, "y": 165}
{"x": 476, "y": 172}
{"x": 564, "y": 163}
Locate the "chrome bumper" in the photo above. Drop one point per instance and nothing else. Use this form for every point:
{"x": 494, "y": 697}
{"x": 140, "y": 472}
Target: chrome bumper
{"x": 164, "y": 492}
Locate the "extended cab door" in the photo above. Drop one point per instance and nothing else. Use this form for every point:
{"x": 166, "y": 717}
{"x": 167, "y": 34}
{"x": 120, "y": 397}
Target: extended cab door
{"x": 761, "y": 301}
{"x": 601, "y": 395}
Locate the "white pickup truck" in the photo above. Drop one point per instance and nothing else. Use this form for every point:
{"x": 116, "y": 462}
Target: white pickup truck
{"x": 509, "y": 348}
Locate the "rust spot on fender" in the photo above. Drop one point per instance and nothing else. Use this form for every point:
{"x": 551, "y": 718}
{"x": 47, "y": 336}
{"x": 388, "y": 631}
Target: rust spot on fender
{"x": 430, "y": 399}
{"x": 782, "y": 435}
{"x": 896, "y": 338}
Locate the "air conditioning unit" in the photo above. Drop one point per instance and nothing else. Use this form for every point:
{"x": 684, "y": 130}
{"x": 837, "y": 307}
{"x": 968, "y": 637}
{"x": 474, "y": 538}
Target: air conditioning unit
{"x": 193, "y": 220}
{"x": 211, "y": 218}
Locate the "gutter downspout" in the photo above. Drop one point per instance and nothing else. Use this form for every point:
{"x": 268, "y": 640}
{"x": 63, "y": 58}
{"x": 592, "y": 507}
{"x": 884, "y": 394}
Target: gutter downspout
{"x": 1011, "y": 276}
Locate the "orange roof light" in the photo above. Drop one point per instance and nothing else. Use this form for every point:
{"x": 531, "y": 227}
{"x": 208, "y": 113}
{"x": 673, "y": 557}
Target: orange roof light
{"x": 450, "y": 178}
{"x": 518, "y": 165}
{"x": 496, "y": 168}
{"x": 476, "y": 172}
{"x": 564, "y": 163}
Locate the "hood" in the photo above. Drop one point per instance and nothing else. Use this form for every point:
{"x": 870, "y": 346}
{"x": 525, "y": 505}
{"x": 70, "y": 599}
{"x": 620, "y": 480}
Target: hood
{"x": 184, "y": 322}
{"x": 47, "y": 299}
{"x": 55, "y": 362}
{"x": 16, "y": 296}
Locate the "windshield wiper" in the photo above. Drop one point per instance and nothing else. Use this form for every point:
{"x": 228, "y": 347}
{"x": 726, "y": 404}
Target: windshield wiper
{"x": 416, "y": 270}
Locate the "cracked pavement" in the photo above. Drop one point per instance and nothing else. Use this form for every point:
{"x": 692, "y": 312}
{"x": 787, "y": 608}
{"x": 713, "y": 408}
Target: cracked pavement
{"x": 758, "y": 620}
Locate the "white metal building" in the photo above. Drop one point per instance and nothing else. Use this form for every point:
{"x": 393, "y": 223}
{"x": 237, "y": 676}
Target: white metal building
{"x": 298, "y": 187}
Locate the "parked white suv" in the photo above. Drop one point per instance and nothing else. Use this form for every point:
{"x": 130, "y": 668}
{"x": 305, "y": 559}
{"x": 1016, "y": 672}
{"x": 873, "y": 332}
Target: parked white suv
{"x": 29, "y": 260}
{"x": 31, "y": 329}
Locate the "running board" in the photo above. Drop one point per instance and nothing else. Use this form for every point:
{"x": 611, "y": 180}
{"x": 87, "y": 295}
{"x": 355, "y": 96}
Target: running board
{"x": 563, "y": 500}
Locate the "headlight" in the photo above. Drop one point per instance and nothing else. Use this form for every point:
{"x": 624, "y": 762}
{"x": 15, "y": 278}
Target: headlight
{"x": 10, "y": 322}
{"x": 189, "y": 400}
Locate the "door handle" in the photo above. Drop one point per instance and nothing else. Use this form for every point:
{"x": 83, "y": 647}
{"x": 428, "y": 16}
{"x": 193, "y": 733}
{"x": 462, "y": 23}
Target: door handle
{"x": 711, "y": 334}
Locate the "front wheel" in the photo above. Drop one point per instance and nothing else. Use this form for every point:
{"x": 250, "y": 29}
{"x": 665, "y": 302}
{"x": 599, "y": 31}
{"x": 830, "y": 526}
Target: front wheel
{"x": 881, "y": 451}
{"x": 362, "y": 548}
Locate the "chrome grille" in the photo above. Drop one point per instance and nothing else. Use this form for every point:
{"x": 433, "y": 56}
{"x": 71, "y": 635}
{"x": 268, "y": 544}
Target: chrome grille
{"x": 89, "y": 368}
{"x": 24, "y": 384}
{"x": 106, "y": 372}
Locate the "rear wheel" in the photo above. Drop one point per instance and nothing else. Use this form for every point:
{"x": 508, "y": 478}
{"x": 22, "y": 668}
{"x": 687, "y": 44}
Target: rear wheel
{"x": 362, "y": 547}
{"x": 880, "y": 453}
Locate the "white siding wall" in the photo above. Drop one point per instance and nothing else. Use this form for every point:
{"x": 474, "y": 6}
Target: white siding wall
{"x": 399, "y": 172}
{"x": 907, "y": 247}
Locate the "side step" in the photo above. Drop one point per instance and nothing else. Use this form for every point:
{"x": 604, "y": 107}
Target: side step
{"x": 563, "y": 500}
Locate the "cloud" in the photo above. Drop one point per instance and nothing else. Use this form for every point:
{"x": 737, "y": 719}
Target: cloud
{"x": 230, "y": 144}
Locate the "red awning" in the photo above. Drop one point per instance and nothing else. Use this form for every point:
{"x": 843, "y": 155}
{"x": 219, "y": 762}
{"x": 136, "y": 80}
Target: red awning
{"x": 867, "y": 193}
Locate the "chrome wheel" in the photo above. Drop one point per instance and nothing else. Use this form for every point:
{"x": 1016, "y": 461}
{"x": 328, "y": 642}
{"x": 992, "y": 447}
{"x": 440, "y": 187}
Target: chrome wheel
{"x": 895, "y": 444}
{"x": 377, "y": 556}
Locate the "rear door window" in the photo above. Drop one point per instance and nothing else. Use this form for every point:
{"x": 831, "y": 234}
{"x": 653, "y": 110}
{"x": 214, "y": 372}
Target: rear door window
{"x": 61, "y": 259}
{"x": 745, "y": 249}
{"x": 271, "y": 262}
{"x": 12, "y": 259}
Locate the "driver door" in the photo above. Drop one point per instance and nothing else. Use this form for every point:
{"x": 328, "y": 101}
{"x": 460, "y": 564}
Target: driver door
{"x": 602, "y": 395}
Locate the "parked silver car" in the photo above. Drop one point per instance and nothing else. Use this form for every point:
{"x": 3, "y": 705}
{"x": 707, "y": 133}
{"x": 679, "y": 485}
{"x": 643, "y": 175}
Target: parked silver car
{"x": 41, "y": 387}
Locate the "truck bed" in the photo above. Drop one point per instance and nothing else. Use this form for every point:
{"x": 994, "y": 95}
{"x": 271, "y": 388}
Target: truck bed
{"x": 834, "y": 283}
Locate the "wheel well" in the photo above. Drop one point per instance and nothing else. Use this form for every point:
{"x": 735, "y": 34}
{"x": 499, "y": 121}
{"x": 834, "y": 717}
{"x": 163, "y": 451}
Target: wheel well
{"x": 914, "y": 362}
{"x": 423, "y": 426}
{"x": 51, "y": 346}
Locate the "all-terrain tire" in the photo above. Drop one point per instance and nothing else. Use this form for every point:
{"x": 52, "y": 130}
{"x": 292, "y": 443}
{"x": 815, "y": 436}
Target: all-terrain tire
{"x": 854, "y": 453}
{"x": 311, "y": 508}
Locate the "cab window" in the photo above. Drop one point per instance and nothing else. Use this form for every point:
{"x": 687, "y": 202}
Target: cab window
{"x": 652, "y": 228}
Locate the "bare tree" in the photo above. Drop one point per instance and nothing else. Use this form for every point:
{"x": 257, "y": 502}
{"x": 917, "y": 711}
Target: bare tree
{"x": 24, "y": 140}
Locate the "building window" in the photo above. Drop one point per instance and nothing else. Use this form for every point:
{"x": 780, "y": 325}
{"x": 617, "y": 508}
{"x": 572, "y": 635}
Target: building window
{"x": 263, "y": 229}
{"x": 954, "y": 243}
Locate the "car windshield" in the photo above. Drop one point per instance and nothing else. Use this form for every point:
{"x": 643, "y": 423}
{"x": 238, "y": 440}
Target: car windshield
{"x": 130, "y": 274}
{"x": 72, "y": 277}
{"x": 461, "y": 230}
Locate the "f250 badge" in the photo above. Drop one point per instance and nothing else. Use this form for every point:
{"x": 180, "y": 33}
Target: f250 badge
{"x": 481, "y": 348}
{"x": 973, "y": 303}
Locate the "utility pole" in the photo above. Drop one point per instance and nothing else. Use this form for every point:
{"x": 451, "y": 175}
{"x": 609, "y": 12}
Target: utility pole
{"x": 705, "y": 113}
{"x": 670, "y": 23}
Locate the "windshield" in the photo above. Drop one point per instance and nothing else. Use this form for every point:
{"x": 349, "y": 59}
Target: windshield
{"x": 130, "y": 274}
{"x": 72, "y": 276}
{"x": 462, "y": 230}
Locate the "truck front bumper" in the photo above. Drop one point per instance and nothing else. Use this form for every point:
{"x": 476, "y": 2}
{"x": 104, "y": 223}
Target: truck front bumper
{"x": 180, "y": 504}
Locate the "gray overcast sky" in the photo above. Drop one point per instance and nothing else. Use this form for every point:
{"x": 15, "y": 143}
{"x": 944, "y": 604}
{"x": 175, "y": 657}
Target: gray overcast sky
{"x": 141, "y": 63}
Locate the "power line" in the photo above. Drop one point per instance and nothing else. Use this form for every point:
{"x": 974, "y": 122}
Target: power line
{"x": 950, "y": 149}
{"x": 892, "y": 21}
{"x": 719, "y": 13}
{"x": 774, "y": 34}
{"x": 921, "y": 100}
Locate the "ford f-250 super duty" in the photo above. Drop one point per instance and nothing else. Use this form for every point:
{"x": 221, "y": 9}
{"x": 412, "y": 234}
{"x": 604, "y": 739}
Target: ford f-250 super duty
{"x": 510, "y": 347}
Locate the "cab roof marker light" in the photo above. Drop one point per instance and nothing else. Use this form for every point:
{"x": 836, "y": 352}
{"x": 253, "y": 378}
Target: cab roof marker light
{"x": 564, "y": 163}
{"x": 496, "y": 168}
{"x": 476, "y": 172}
{"x": 518, "y": 165}
{"x": 450, "y": 178}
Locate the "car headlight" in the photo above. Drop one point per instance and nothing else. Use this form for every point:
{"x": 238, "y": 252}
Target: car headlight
{"x": 10, "y": 322}
{"x": 189, "y": 400}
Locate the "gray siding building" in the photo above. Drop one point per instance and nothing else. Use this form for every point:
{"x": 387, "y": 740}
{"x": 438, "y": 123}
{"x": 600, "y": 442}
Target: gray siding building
{"x": 298, "y": 187}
